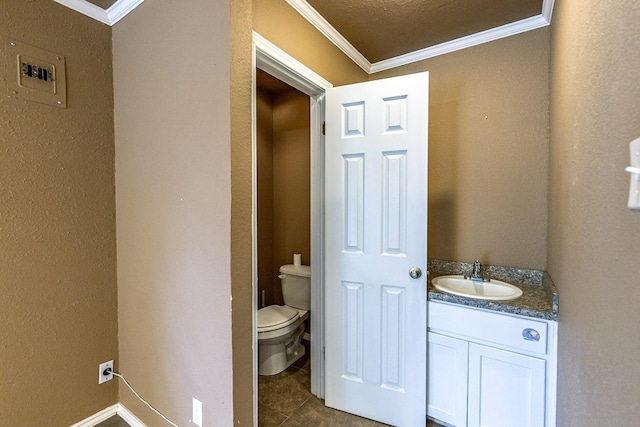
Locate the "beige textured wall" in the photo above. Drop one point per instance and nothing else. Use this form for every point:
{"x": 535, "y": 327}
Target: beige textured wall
{"x": 264, "y": 152}
{"x": 284, "y": 168}
{"x": 58, "y": 314}
{"x": 292, "y": 180}
{"x": 241, "y": 213}
{"x": 594, "y": 251}
{"x": 488, "y": 151}
{"x": 173, "y": 208}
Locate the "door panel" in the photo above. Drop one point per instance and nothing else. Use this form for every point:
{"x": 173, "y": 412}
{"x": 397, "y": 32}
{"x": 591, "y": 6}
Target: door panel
{"x": 505, "y": 389}
{"x": 375, "y": 232}
{"x": 447, "y": 374}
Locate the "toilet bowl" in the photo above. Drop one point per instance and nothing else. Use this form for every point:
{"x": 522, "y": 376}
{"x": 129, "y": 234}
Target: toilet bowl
{"x": 280, "y": 327}
{"x": 279, "y": 338}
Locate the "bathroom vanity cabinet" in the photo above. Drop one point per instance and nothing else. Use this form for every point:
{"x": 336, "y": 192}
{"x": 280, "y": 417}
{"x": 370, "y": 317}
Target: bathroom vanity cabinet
{"x": 490, "y": 368}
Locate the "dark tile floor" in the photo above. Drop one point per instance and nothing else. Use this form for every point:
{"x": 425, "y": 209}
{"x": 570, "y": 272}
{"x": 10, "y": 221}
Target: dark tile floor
{"x": 285, "y": 400}
{"x": 114, "y": 421}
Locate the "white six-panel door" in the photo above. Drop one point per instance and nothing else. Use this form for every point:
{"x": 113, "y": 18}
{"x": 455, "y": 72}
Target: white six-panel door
{"x": 376, "y": 232}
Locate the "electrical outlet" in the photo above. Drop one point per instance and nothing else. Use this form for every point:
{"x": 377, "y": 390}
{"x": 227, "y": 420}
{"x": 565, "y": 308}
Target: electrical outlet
{"x": 106, "y": 372}
{"x": 197, "y": 412}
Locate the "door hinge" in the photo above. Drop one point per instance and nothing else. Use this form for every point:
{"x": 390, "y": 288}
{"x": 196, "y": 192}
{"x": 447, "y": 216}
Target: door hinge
{"x": 324, "y": 128}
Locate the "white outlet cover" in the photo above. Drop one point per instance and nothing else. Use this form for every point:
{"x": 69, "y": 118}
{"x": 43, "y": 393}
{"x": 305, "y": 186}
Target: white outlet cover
{"x": 197, "y": 412}
{"x": 634, "y": 169}
{"x": 103, "y": 366}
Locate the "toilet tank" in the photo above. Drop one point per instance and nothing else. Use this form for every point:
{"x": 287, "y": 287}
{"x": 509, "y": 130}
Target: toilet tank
{"x": 296, "y": 286}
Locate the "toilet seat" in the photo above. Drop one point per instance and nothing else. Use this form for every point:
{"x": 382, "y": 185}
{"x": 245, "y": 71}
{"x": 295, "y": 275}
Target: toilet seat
{"x": 276, "y": 317}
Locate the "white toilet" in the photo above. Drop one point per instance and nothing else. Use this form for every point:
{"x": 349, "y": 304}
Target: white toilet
{"x": 280, "y": 327}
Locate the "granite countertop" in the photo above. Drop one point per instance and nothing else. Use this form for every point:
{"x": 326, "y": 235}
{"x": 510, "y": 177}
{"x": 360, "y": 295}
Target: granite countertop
{"x": 539, "y": 295}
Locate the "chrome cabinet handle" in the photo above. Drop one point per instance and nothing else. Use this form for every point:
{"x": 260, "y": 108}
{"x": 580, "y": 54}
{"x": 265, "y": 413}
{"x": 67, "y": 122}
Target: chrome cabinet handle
{"x": 530, "y": 334}
{"x": 415, "y": 273}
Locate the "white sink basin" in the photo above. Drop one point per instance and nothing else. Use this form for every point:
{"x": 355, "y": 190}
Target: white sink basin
{"x": 493, "y": 290}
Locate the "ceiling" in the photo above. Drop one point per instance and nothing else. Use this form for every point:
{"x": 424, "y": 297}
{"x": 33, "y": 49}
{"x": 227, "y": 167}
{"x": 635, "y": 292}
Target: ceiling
{"x": 383, "y": 29}
{"x": 382, "y": 34}
{"x": 105, "y": 4}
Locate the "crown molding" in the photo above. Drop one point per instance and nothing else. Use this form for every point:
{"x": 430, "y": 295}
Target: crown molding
{"x": 486, "y": 36}
{"x": 86, "y": 8}
{"x": 321, "y": 24}
{"x": 110, "y": 16}
{"x": 120, "y": 9}
{"x": 547, "y": 10}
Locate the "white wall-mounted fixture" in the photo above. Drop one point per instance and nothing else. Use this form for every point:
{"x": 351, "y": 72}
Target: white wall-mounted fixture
{"x": 106, "y": 372}
{"x": 34, "y": 74}
{"x": 197, "y": 412}
{"x": 634, "y": 169}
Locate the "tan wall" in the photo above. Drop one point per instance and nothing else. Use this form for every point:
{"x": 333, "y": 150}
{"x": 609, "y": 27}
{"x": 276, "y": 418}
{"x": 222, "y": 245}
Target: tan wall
{"x": 173, "y": 208}
{"x": 264, "y": 152}
{"x": 58, "y": 314}
{"x": 241, "y": 212}
{"x": 284, "y": 169}
{"x": 488, "y": 151}
{"x": 292, "y": 180}
{"x": 594, "y": 252}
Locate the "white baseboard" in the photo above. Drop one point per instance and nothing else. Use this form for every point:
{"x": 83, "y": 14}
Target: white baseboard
{"x": 128, "y": 416}
{"x": 99, "y": 417}
{"x": 105, "y": 414}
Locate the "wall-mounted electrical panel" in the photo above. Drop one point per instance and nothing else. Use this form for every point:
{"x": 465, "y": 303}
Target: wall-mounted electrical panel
{"x": 34, "y": 74}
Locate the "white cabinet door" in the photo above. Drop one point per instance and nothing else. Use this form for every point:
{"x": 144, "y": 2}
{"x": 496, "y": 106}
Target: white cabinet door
{"x": 447, "y": 373}
{"x": 505, "y": 389}
{"x": 376, "y": 231}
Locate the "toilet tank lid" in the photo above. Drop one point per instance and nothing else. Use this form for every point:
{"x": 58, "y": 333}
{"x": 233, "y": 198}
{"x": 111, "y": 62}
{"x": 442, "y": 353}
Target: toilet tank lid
{"x": 302, "y": 271}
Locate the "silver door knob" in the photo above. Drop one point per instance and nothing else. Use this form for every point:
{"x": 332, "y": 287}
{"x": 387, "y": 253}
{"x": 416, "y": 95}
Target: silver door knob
{"x": 415, "y": 273}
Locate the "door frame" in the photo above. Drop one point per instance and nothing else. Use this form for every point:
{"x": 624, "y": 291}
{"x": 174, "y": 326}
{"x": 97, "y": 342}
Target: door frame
{"x": 268, "y": 57}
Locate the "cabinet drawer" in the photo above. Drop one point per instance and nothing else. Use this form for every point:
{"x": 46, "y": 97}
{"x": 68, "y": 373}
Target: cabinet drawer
{"x": 476, "y": 325}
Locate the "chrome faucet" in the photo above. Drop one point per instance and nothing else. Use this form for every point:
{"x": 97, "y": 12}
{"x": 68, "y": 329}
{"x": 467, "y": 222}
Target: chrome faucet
{"x": 476, "y": 273}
